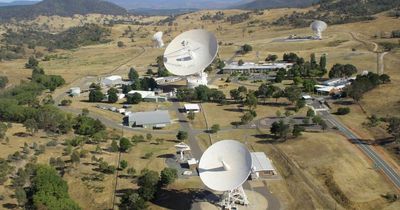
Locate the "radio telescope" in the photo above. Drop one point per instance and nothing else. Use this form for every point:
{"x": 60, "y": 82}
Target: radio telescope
{"x": 318, "y": 27}
{"x": 189, "y": 54}
{"x": 225, "y": 166}
{"x": 157, "y": 39}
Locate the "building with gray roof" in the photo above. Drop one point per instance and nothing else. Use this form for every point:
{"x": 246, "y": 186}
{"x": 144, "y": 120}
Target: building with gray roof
{"x": 155, "y": 119}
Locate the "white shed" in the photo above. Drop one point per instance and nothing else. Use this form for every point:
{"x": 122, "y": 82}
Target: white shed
{"x": 192, "y": 108}
{"x": 112, "y": 80}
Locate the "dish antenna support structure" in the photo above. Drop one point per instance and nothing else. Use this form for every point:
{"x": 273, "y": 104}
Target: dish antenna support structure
{"x": 224, "y": 167}
{"x": 181, "y": 148}
{"x": 318, "y": 27}
{"x": 157, "y": 39}
{"x": 189, "y": 54}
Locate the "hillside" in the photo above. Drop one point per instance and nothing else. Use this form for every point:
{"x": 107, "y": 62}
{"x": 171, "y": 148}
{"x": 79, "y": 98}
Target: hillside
{"x": 14, "y": 3}
{"x": 175, "y": 4}
{"x": 262, "y": 4}
{"x": 60, "y": 8}
{"x": 339, "y": 12}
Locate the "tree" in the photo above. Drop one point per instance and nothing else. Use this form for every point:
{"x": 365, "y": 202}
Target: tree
{"x": 120, "y": 44}
{"x": 96, "y": 96}
{"x": 66, "y": 102}
{"x": 149, "y": 72}
{"x": 124, "y": 144}
{"x": 322, "y": 62}
{"x": 280, "y": 129}
{"x": 32, "y": 63}
{"x": 191, "y": 115}
{"x": 300, "y": 104}
{"x": 168, "y": 176}
{"x": 297, "y": 80}
{"x": 123, "y": 164}
{"x": 293, "y": 93}
{"x": 309, "y": 84}
{"x": 3, "y": 81}
{"x": 133, "y": 75}
{"x": 112, "y": 95}
{"x": 394, "y": 128}
{"x": 340, "y": 70}
{"x": 134, "y": 98}
{"x": 246, "y": 118}
{"x": 251, "y": 101}
{"x": 271, "y": 57}
{"x": 384, "y": 78}
{"x": 147, "y": 183}
{"x": 343, "y": 110}
{"x": 31, "y": 126}
{"x": 235, "y": 95}
{"x": 240, "y": 62}
{"x": 132, "y": 201}
{"x": 310, "y": 113}
{"x": 149, "y": 136}
{"x": 20, "y": 194}
{"x": 114, "y": 146}
{"x": 297, "y": 130}
{"x": 246, "y": 48}
{"x": 215, "y": 128}
{"x": 182, "y": 135}
{"x": 75, "y": 157}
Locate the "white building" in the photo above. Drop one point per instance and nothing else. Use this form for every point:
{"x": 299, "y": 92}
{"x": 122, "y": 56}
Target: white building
{"x": 75, "y": 91}
{"x": 249, "y": 67}
{"x": 261, "y": 165}
{"x": 143, "y": 93}
{"x": 112, "y": 81}
{"x": 192, "y": 107}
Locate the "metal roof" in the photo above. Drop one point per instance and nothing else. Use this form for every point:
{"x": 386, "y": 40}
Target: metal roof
{"x": 150, "y": 118}
{"x": 192, "y": 107}
{"x": 250, "y": 65}
{"x": 260, "y": 162}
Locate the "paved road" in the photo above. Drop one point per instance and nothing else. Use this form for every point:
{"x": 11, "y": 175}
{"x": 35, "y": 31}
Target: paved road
{"x": 368, "y": 150}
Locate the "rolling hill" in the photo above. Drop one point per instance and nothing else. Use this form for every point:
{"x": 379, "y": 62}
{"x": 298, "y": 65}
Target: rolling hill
{"x": 176, "y": 4}
{"x": 15, "y": 3}
{"x": 61, "y": 8}
{"x": 262, "y": 4}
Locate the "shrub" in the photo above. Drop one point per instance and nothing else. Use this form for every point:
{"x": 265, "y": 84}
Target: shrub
{"x": 343, "y": 110}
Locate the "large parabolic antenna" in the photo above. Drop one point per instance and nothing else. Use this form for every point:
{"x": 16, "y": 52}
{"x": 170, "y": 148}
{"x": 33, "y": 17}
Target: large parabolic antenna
{"x": 225, "y": 166}
{"x": 157, "y": 39}
{"x": 318, "y": 27}
{"x": 190, "y": 53}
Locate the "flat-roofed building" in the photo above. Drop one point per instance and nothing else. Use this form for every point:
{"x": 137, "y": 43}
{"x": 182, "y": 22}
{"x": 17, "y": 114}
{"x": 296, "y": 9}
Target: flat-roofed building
{"x": 261, "y": 165}
{"x": 249, "y": 67}
{"x": 112, "y": 81}
{"x": 192, "y": 108}
{"x": 155, "y": 119}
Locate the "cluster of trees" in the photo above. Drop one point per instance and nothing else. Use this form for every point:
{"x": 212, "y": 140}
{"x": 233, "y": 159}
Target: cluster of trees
{"x": 303, "y": 68}
{"x": 201, "y": 93}
{"x": 219, "y": 15}
{"x": 365, "y": 83}
{"x": 74, "y": 37}
{"x": 396, "y": 34}
{"x": 338, "y": 12}
{"x": 50, "y": 82}
{"x": 149, "y": 183}
{"x": 10, "y": 52}
{"x": 3, "y": 81}
{"x": 239, "y": 18}
{"x": 47, "y": 189}
{"x": 340, "y": 70}
{"x": 87, "y": 126}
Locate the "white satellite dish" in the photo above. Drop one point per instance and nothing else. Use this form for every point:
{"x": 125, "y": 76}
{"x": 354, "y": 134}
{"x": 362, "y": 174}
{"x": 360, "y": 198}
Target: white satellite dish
{"x": 157, "y": 39}
{"x": 225, "y": 166}
{"x": 318, "y": 27}
{"x": 190, "y": 53}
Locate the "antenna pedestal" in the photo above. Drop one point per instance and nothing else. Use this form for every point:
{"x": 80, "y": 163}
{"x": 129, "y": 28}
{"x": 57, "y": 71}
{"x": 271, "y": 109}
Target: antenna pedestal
{"x": 197, "y": 80}
{"x": 230, "y": 199}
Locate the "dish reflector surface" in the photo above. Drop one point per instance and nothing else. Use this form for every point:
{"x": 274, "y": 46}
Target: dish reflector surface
{"x": 318, "y": 26}
{"x": 190, "y": 52}
{"x": 225, "y": 165}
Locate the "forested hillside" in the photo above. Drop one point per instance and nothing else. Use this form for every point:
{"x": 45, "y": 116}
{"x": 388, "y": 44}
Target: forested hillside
{"x": 61, "y": 8}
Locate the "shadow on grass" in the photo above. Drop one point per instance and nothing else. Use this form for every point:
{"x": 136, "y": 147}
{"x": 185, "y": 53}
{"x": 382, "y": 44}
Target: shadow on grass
{"x": 183, "y": 199}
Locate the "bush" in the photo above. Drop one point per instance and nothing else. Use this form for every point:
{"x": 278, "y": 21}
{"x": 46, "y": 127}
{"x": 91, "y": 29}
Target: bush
{"x": 168, "y": 176}
{"x": 343, "y": 110}
{"x": 120, "y": 44}
{"x": 3, "y": 81}
{"x": 66, "y": 102}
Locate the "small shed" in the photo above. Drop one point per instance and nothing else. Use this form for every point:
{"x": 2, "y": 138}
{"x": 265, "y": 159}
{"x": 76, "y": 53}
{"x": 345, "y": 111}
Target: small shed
{"x": 261, "y": 165}
{"x": 112, "y": 81}
{"x": 154, "y": 119}
{"x": 192, "y": 108}
{"x": 193, "y": 163}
